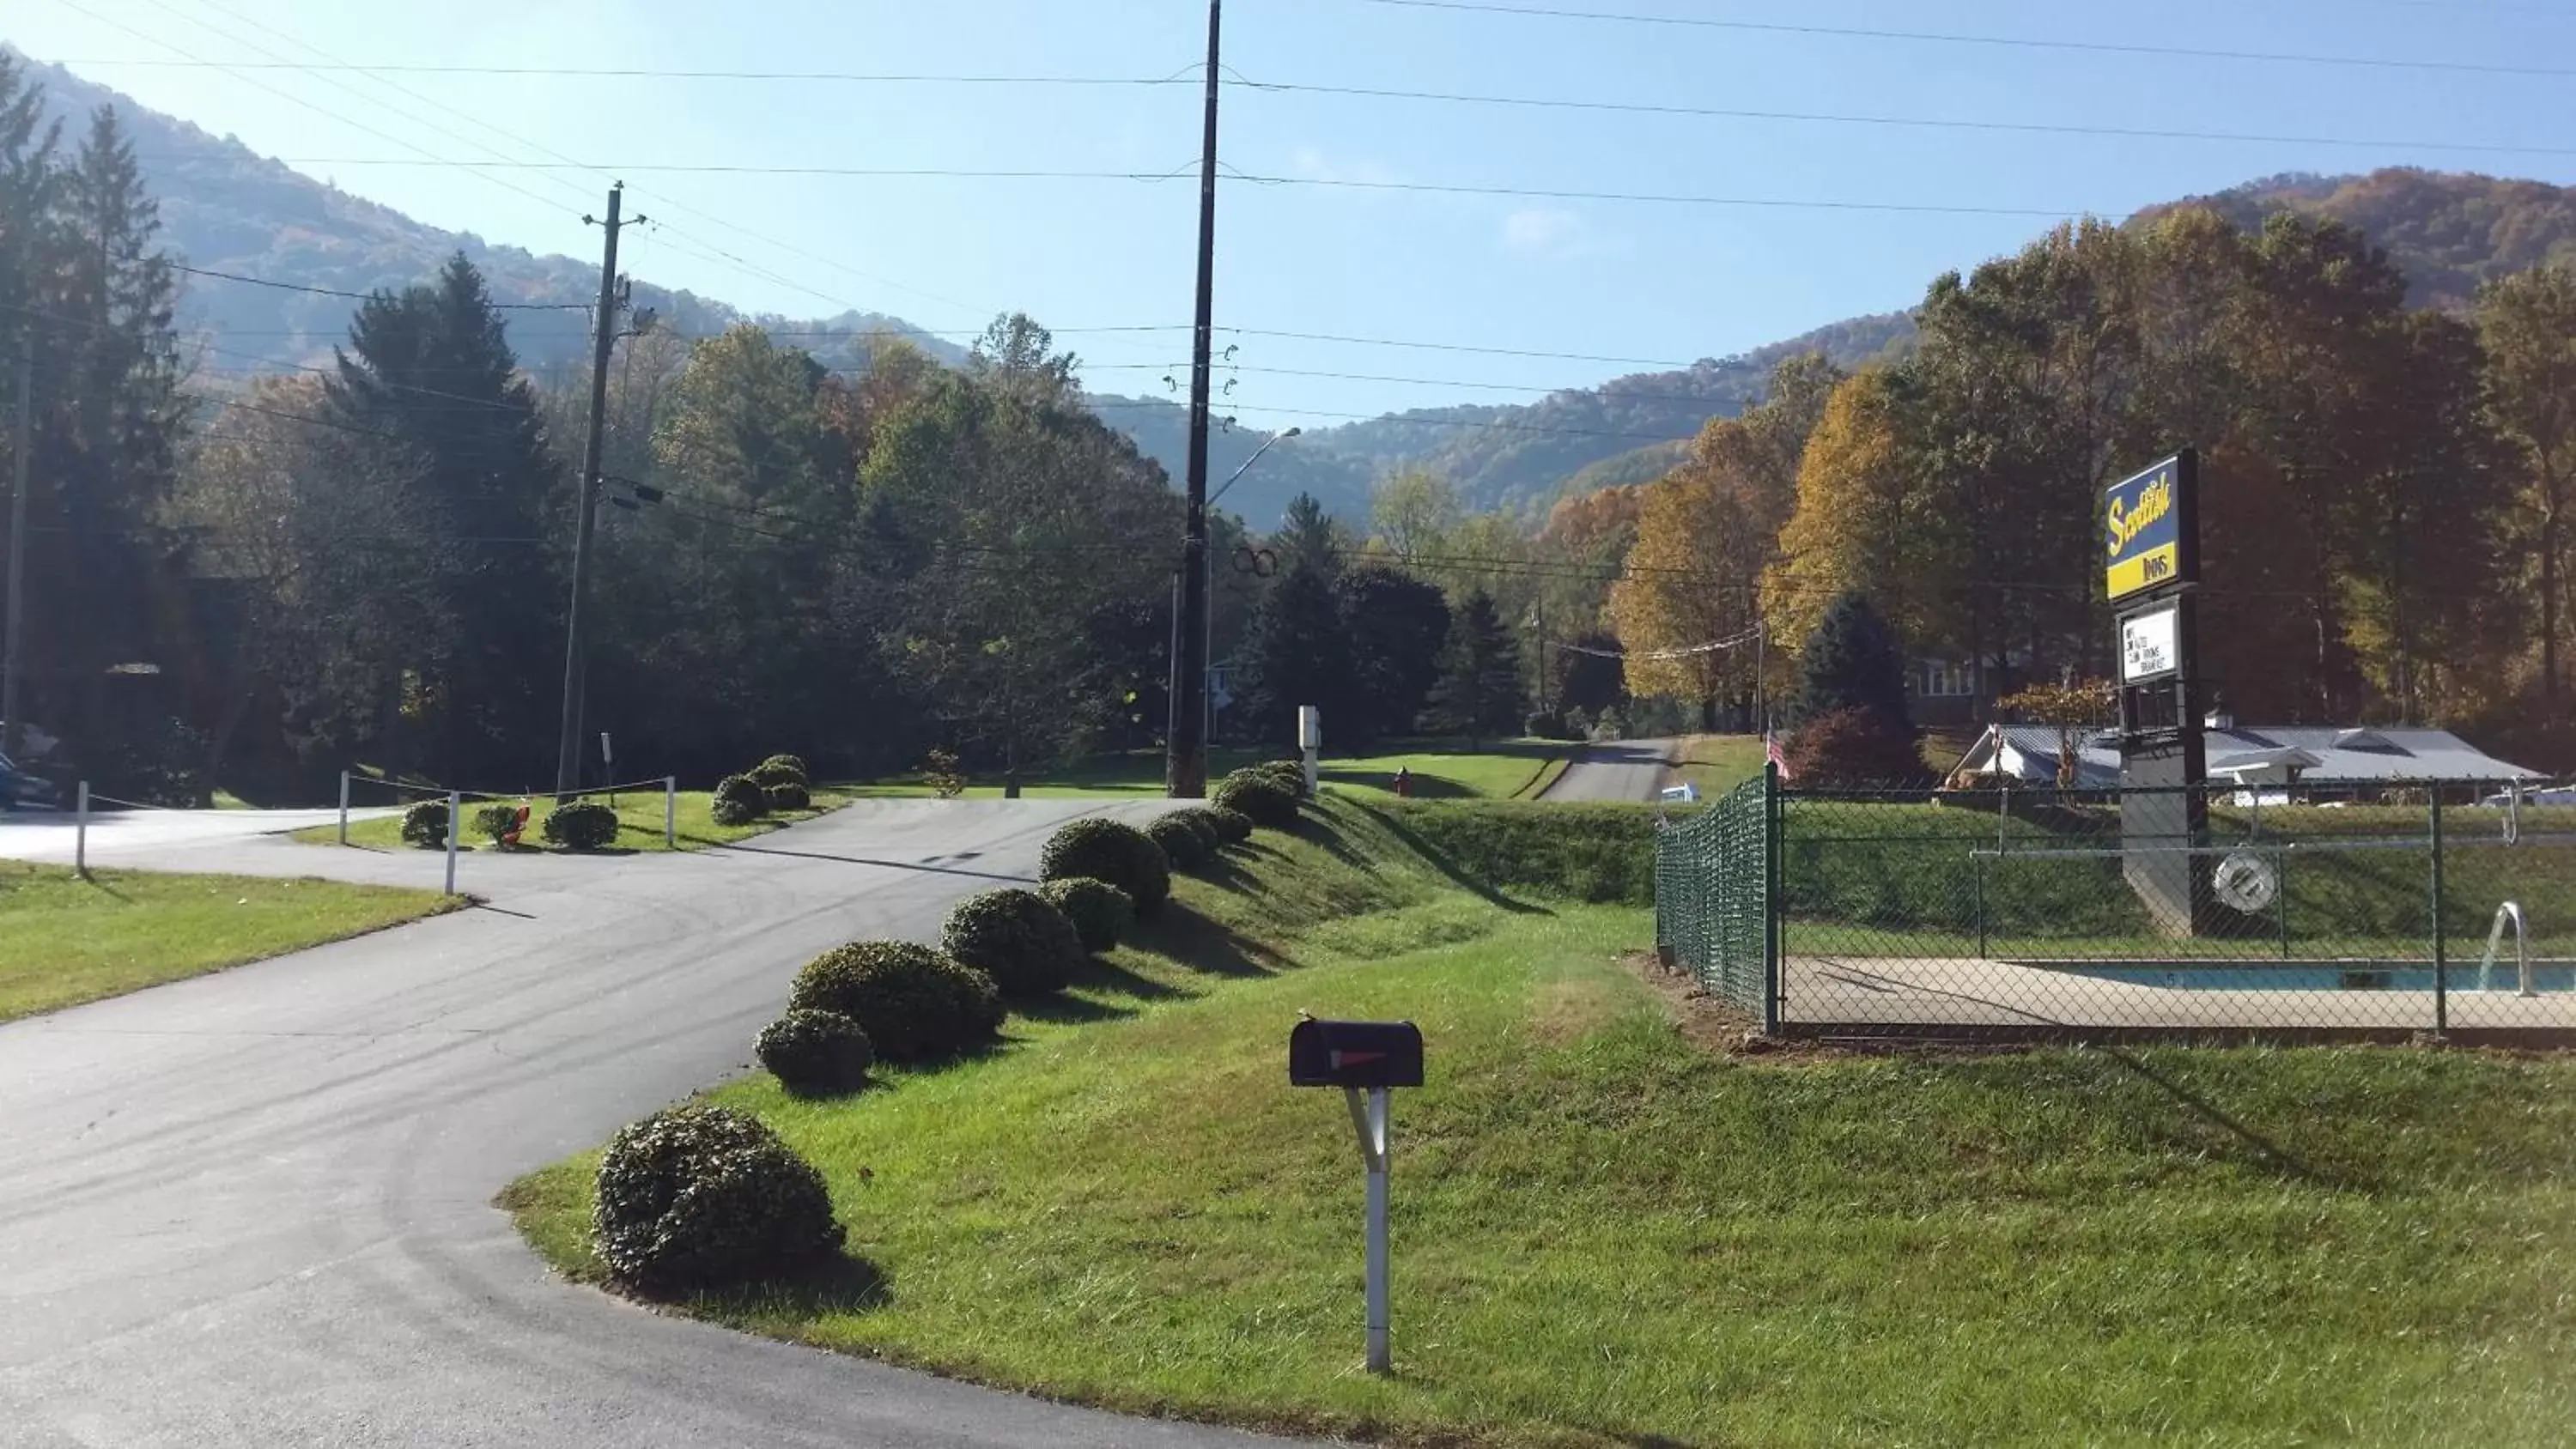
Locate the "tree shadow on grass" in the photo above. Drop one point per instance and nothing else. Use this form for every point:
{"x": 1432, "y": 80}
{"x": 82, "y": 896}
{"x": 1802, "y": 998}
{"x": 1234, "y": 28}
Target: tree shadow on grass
{"x": 1423, "y": 786}
{"x": 1073, "y": 1010}
{"x": 1442, "y": 862}
{"x": 1203, "y": 945}
{"x": 1323, "y": 832}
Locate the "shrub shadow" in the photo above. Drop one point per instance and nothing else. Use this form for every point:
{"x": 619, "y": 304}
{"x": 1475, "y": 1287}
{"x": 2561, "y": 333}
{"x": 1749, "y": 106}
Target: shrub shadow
{"x": 838, "y": 1283}
{"x": 1073, "y": 1010}
{"x": 1423, "y": 787}
{"x": 1448, "y": 867}
{"x": 1323, "y": 832}
{"x": 1203, "y": 945}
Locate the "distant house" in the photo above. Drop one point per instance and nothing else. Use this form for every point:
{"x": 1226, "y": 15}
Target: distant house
{"x": 2271, "y": 758}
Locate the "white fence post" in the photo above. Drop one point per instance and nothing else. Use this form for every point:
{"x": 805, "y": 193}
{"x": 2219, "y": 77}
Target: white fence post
{"x": 344, "y": 807}
{"x": 671, "y": 812}
{"x": 80, "y": 831}
{"x": 455, "y": 824}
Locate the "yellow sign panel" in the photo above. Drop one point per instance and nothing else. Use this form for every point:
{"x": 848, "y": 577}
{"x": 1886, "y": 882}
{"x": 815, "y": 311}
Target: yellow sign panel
{"x": 2141, "y": 570}
{"x": 2146, "y": 536}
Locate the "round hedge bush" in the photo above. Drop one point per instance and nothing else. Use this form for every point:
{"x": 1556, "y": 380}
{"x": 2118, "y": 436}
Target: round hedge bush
{"x": 699, "y": 1197}
{"x": 1182, "y": 844}
{"x": 581, "y": 825}
{"x": 744, "y": 791}
{"x": 1204, "y": 821}
{"x": 732, "y": 812}
{"x": 792, "y": 795}
{"x": 816, "y": 1053}
{"x": 779, "y": 770}
{"x": 496, "y": 820}
{"x": 1289, "y": 773}
{"x": 1232, "y": 826}
{"x": 1016, "y": 937}
{"x": 1113, "y": 851}
{"x": 915, "y": 1004}
{"x": 1250, "y": 792}
{"x": 1100, "y": 912}
{"x": 425, "y": 823}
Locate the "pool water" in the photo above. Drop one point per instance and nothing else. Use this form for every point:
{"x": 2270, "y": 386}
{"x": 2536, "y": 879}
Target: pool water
{"x": 2309, "y": 976}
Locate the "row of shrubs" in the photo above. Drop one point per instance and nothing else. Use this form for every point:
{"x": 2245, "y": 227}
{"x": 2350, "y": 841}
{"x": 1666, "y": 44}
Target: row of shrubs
{"x": 698, "y": 1196}
{"x": 776, "y": 783}
{"x": 582, "y": 825}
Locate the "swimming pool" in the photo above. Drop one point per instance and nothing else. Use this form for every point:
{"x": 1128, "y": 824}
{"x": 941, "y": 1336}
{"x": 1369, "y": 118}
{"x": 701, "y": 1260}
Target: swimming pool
{"x": 2310, "y": 976}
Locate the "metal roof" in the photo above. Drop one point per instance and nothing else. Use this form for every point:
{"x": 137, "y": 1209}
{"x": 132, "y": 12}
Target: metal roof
{"x": 2342, "y": 755}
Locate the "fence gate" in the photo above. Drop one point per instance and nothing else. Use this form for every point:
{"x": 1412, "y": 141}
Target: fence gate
{"x": 1713, "y": 876}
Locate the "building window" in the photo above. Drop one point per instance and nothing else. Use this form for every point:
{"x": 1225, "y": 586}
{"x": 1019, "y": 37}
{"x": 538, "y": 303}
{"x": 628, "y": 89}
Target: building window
{"x": 1945, "y": 680}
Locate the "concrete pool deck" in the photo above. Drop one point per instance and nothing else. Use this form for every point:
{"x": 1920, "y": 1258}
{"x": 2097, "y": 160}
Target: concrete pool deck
{"x": 1936, "y": 995}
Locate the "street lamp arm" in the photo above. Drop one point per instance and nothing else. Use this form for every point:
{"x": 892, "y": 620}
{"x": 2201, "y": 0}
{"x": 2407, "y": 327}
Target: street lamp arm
{"x": 1237, "y": 475}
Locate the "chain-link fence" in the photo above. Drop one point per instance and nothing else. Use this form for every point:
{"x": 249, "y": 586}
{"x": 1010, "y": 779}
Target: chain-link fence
{"x": 2209, "y": 910}
{"x": 1712, "y": 895}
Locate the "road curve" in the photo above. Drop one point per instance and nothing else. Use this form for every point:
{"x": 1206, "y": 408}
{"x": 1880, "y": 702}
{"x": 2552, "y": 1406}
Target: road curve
{"x": 1615, "y": 770}
{"x": 254, "y": 1208}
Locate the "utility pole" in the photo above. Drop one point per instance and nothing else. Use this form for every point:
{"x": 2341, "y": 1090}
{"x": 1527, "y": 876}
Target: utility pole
{"x": 568, "y": 744}
{"x": 1185, "y": 765}
{"x": 22, "y": 445}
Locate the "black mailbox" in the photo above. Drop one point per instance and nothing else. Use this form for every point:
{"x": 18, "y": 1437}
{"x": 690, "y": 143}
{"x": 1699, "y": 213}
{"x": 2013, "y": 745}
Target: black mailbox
{"x": 1354, "y": 1054}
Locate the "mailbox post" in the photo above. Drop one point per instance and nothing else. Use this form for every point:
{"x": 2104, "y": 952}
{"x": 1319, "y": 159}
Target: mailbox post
{"x": 1367, "y": 1060}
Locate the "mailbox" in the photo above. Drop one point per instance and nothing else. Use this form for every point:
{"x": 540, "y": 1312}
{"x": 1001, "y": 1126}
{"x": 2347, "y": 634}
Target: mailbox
{"x": 1354, "y": 1054}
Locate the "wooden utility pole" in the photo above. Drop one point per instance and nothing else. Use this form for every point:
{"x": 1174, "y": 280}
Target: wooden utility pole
{"x": 1185, "y": 762}
{"x": 568, "y": 744}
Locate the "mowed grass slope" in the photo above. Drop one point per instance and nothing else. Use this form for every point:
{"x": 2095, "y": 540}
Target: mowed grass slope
{"x": 65, "y": 940}
{"x": 1442, "y": 769}
{"x": 1606, "y": 1233}
{"x": 639, "y": 823}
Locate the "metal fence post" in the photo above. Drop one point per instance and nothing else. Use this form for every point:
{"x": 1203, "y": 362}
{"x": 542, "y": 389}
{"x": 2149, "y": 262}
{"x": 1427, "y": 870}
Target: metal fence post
{"x": 2441, "y": 963}
{"x": 2281, "y": 884}
{"x": 80, "y": 831}
{"x": 344, "y": 807}
{"x": 1771, "y": 903}
{"x": 455, "y": 823}
{"x": 1978, "y": 864}
{"x": 671, "y": 812}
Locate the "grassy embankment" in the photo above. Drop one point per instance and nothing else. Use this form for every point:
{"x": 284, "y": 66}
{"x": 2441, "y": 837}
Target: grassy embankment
{"x": 639, "y": 824}
{"x": 1442, "y": 769}
{"x": 1606, "y": 1232}
{"x": 65, "y": 940}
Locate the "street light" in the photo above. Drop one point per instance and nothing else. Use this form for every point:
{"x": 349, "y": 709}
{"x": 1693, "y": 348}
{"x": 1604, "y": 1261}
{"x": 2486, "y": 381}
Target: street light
{"x": 1207, "y": 588}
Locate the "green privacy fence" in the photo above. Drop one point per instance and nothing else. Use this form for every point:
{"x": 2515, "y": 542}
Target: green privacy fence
{"x": 2100, "y": 913}
{"x": 1713, "y": 892}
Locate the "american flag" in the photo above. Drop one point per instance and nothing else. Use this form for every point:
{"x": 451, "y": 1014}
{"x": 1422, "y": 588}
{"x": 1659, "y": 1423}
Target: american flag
{"x": 1771, "y": 752}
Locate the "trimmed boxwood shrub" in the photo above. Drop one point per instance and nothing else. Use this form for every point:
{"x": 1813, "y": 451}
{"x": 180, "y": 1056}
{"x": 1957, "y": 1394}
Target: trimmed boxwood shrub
{"x": 495, "y": 820}
{"x": 699, "y": 1197}
{"x": 1289, "y": 773}
{"x": 790, "y": 796}
{"x": 1100, "y": 912}
{"x": 1182, "y": 844}
{"x": 1232, "y": 826}
{"x": 816, "y": 1053}
{"x": 1016, "y": 937}
{"x": 425, "y": 823}
{"x": 915, "y": 1004}
{"x": 581, "y": 825}
{"x": 739, "y": 801}
{"x": 1203, "y": 820}
{"x": 1110, "y": 850}
{"x": 1271, "y": 805}
{"x": 779, "y": 770}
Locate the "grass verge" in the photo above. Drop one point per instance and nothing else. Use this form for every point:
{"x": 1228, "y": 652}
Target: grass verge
{"x": 639, "y": 824}
{"x": 1442, "y": 769}
{"x": 1718, "y": 763}
{"x": 1607, "y": 1234}
{"x": 65, "y": 940}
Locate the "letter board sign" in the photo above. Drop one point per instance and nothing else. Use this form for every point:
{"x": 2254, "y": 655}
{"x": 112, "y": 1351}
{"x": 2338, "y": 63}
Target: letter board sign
{"x": 2151, "y": 529}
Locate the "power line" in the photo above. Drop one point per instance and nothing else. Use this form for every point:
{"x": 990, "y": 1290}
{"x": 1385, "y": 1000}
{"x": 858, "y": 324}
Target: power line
{"x": 363, "y": 296}
{"x": 1929, "y": 37}
{"x": 1187, "y": 76}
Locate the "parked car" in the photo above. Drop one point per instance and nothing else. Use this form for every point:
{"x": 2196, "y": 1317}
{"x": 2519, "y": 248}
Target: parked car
{"x": 20, "y": 790}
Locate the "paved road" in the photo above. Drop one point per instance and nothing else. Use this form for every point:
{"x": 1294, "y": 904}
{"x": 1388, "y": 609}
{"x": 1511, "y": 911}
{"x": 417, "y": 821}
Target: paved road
{"x": 255, "y": 1208}
{"x": 134, "y": 834}
{"x": 1619, "y": 770}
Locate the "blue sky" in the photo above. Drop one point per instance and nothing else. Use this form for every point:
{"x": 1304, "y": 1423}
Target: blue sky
{"x": 1628, "y": 279}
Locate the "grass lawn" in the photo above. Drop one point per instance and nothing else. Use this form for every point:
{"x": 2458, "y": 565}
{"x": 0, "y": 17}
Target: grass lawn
{"x": 1501, "y": 770}
{"x": 639, "y": 824}
{"x": 65, "y": 940}
{"x": 1607, "y": 1233}
{"x": 1718, "y": 763}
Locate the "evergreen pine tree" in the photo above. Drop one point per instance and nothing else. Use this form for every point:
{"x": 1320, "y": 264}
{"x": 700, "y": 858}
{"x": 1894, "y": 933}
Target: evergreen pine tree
{"x": 1480, "y": 693}
{"x": 1294, "y": 654}
{"x": 1852, "y": 661}
{"x": 1396, "y": 625}
{"x": 1308, "y": 535}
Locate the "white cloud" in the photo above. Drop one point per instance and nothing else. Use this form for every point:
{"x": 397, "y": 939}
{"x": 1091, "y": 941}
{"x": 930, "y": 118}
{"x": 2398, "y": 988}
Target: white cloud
{"x": 1542, "y": 229}
{"x": 1313, "y": 165}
